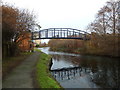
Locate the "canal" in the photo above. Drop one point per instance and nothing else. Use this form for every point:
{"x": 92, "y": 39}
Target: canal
{"x": 84, "y": 71}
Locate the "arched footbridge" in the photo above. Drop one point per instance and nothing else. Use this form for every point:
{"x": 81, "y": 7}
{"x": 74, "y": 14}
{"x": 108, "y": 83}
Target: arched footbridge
{"x": 60, "y": 33}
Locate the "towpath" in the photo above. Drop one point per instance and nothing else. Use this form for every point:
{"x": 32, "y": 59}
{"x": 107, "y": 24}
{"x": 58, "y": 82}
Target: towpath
{"x": 21, "y": 76}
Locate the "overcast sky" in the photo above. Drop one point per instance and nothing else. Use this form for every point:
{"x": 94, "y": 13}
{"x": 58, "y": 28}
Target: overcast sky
{"x": 62, "y": 13}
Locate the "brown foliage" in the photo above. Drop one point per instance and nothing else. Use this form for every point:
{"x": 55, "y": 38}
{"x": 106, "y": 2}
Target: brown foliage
{"x": 9, "y": 20}
{"x": 67, "y": 45}
{"x": 16, "y": 23}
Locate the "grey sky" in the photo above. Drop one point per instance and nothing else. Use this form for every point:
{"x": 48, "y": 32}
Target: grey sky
{"x": 62, "y": 13}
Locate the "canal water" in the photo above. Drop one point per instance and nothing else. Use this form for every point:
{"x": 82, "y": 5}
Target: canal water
{"x": 84, "y": 71}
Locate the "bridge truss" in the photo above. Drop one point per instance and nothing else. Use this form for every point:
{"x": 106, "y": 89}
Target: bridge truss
{"x": 60, "y": 33}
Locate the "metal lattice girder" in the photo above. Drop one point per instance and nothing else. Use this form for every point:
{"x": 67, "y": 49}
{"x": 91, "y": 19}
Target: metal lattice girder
{"x": 60, "y": 33}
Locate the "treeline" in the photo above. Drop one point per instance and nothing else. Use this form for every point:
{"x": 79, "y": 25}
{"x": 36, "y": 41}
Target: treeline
{"x": 16, "y": 23}
{"x": 105, "y": 34}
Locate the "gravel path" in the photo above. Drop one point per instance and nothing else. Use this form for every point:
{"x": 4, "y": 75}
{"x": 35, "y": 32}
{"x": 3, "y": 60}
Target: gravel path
{"x": 21, "y": 76}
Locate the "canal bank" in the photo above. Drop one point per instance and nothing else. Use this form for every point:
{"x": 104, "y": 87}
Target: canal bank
{"x": 33, "y": 72}
{"x": 95, "y": 71}
{"x": 43, "y": 76}
{"x": 81, "y": 51}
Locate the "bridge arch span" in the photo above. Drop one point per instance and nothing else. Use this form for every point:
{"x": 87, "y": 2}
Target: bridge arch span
{"x": 60, "y": 33}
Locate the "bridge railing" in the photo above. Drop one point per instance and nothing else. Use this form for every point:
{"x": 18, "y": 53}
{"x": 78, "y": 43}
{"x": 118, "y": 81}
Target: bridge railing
{"x": 60, "y": 33}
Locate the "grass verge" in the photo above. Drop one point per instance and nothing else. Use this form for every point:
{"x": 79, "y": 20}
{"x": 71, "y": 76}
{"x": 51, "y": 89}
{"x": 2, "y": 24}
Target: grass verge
{"x": 9, "y": 63}
{"x": 44, "y": 78}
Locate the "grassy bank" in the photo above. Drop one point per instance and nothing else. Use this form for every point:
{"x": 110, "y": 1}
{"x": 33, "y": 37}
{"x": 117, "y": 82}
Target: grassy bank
{"x": 44, "y": 78}
{"x": 9, "y": 63}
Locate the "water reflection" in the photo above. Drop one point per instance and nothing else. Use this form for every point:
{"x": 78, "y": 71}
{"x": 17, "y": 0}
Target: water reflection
{"x": 66, "y": 73}
{"x": 85, "y": 71}
{"x": 106, "y": 70}
{"x": 62, "y": 61}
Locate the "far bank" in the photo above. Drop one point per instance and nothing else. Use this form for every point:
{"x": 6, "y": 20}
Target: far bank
{"x": 96, "y": 46}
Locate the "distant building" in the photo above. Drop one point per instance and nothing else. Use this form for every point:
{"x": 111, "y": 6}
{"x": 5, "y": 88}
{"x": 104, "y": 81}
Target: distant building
{"x": 37, "y": 42}
{"x": 25, "y": 43}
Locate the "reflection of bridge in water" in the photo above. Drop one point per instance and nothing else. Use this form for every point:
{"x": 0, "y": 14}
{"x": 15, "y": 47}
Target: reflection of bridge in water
{"x": 69, "y": 73}
{"x": 97, "y": 75}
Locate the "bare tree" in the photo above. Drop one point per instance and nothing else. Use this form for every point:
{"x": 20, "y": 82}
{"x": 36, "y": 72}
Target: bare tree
{"x": 113, "y": 6}
{"x": 16, "y": 23}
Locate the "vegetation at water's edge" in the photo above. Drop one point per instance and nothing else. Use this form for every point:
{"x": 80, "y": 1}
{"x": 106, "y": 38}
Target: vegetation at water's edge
{"x": 95, "y": 46}
{"x": 9, "y": 63}
{"x": 44, "y": 78}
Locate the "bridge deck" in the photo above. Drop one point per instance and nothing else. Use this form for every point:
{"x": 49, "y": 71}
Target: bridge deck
{"x": 61, "y": 38}
{"x": 60, "y": 33}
